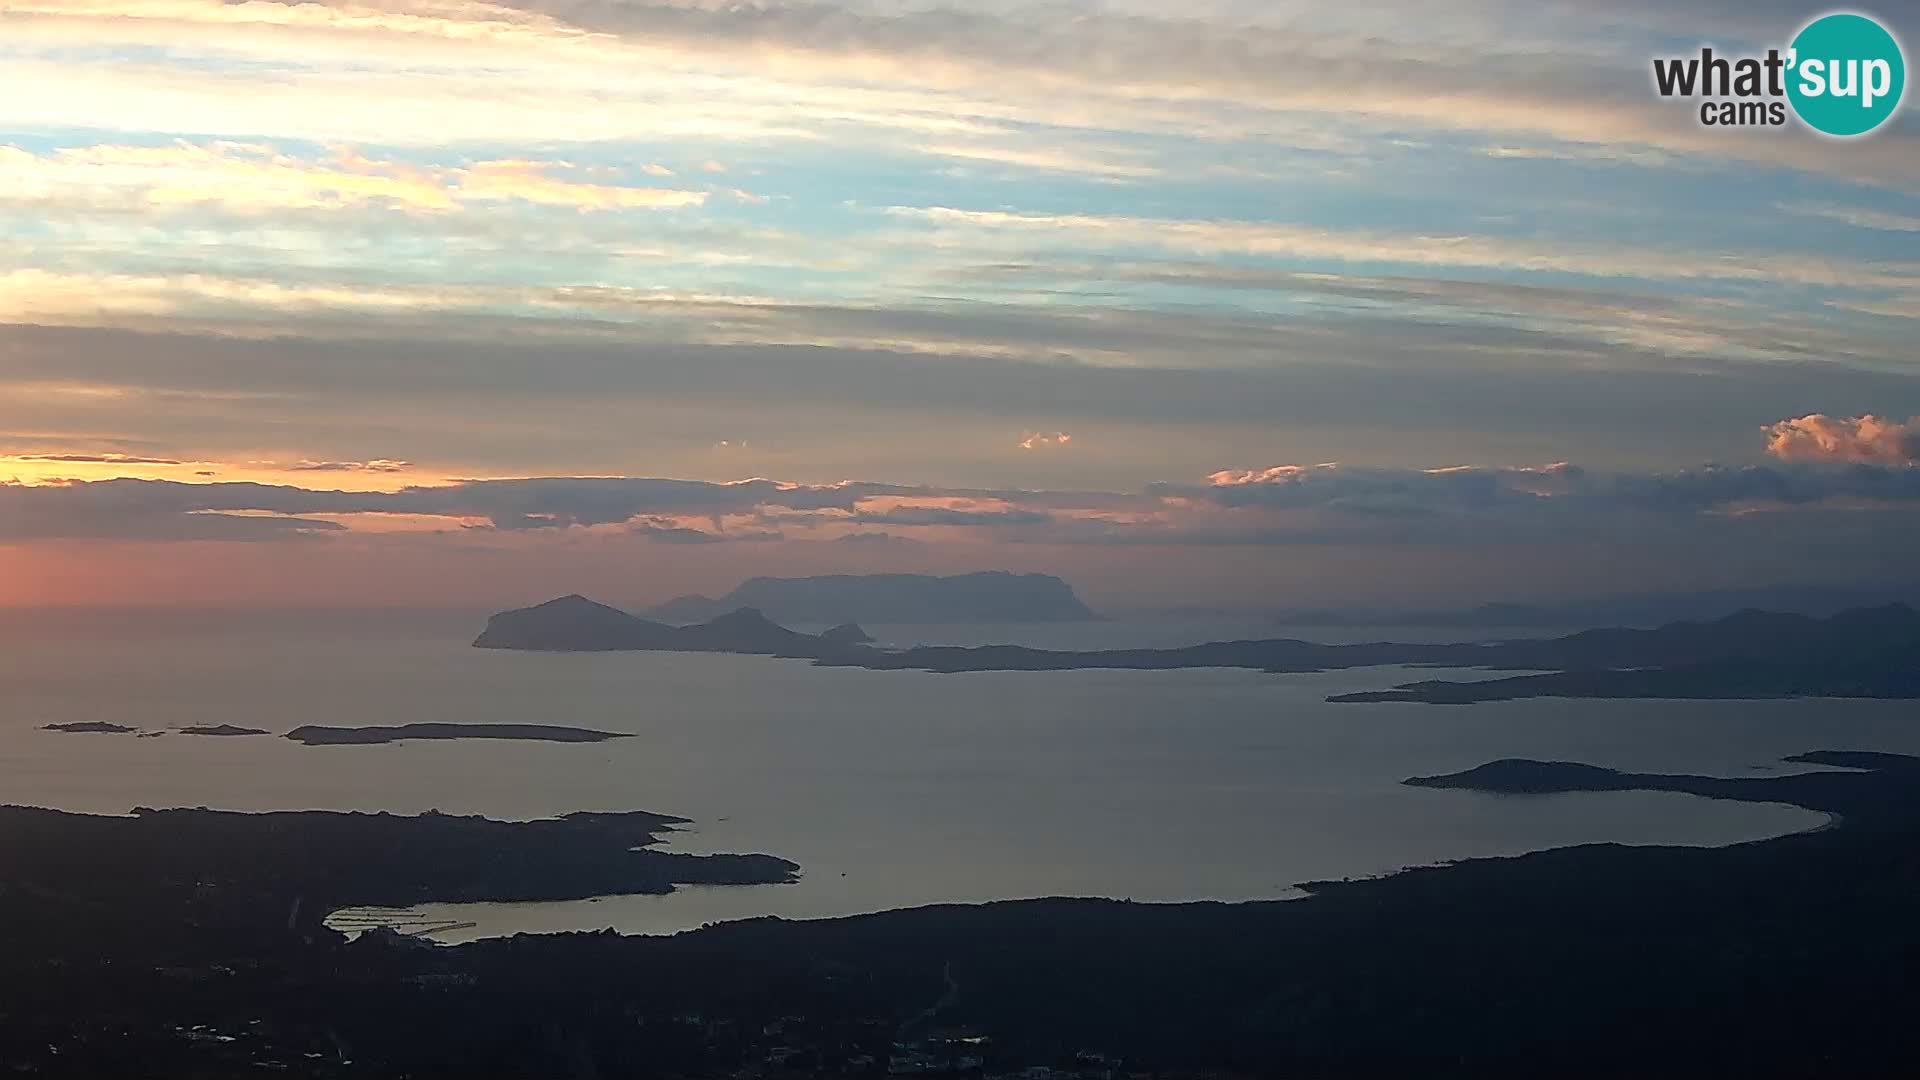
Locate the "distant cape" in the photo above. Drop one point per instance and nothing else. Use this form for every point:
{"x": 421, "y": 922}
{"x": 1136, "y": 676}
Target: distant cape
{"x": 986, "y": 596}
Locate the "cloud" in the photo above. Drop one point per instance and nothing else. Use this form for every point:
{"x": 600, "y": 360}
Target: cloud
{"x": 1465, "y": 504}
{"x": 95, "y": 459}
{"x": 1858, "y": 217}
{"x": 1374, "y": 491}
{"x": 650, "y": 507}
{"x": 547, "y": 69}
{"x": 668, "y": 532}
{"x": 1542, "y": 329}
{"x": 528, "y": 182}
{"x": 1302, "y": 390}
{"x": 132, "y": 511}
{"x": 376, "y": 465}
{"x": 675, "y": 534}
{"x": 1865, "y": 438}
{"x": 1043, "y": 440}
{"x": 255, "y": 177}
{"x": 1582, "y": 152}
{"x": 941, "y": 515}
{"x": 1043, "y": 160}
{"x": 1451, "y": 249}
{"x": 1560, "y": 490}
{"x": 877, "y": 540}
{"x": 453, "y": 232}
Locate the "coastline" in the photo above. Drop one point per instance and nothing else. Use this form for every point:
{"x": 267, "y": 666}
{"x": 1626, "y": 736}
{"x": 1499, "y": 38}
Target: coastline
{"x": 1819, "y": 916}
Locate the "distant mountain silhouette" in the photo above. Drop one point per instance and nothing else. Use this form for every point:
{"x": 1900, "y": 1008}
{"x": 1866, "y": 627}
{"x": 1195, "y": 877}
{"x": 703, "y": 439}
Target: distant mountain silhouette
{"x": 1642, "y": 610}
{"x": 1849, "y": 637}
{"x": 573, "y": 624}
{"x": 847, "y": 633}
{"x": 577, "y": 624}
{"x": 745, "y": 630}
{"x": 1863, "y": 652}
{"x": 986, "y": 596}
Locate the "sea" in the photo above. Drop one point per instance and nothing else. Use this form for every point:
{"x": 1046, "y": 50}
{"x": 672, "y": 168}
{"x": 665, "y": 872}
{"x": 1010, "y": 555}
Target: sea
{"x": 890, "y": 789}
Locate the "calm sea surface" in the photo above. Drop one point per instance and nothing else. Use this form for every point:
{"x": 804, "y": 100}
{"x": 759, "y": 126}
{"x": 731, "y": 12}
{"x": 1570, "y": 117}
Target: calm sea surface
{"x": 889, "y": 788}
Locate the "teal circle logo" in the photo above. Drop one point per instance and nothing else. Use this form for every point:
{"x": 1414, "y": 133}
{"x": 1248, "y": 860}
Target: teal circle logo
{"x": 1847, "y": 74}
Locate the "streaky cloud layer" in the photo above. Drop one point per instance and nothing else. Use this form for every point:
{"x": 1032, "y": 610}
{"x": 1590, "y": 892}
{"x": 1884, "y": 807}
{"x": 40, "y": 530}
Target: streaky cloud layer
{"x": 340, "y": 283}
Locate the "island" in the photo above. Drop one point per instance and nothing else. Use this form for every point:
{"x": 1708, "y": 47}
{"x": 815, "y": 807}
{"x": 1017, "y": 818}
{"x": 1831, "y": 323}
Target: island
{"x": 577, "y": 624}
{"x": 223, "y": 730}
{"x": 90, "y": 727}
{"x": 321, "y": 735}
{"x": 846, "y": 634}
{"x": 1860, "y": 652}
{"x": 987, "y": 596}
{"x": 1828, "y": 791}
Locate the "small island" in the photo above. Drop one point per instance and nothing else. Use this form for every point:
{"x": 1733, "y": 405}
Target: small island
{"x": 1870, "y": 790}
{"x": 322, "y": 735}
{"x": 847, "y": 633}
{"x": 222, "y": 730}
{"x": 90, "y": 727}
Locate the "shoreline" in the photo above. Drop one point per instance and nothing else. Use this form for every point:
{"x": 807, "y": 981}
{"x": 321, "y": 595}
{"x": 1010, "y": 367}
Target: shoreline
{"x": 1802, "y": 935}
{"x": 592, "y": 923}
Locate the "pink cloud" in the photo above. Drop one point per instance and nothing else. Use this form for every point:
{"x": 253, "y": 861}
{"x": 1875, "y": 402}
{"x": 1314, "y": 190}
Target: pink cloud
{"x": 1278, "y": 474}
{"x": 378, "y": 465}
{"x": 1044, "y": 440}
{"x": 96, "y": 459}
{"x": 1865, "y": 438}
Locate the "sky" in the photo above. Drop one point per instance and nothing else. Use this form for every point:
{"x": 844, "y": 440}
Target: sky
{"x": 1240, "y": 304}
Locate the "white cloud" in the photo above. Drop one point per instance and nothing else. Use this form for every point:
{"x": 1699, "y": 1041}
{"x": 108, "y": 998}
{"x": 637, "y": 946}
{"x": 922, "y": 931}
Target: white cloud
{"x": 257, "y": 177}
{"x": 1859, "y": 217}
{"x": 1298, "y": 241}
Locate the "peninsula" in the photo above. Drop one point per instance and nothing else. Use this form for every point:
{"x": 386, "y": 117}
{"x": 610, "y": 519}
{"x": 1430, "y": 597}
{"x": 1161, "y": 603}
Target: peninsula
{"x": 205, "y": 954}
